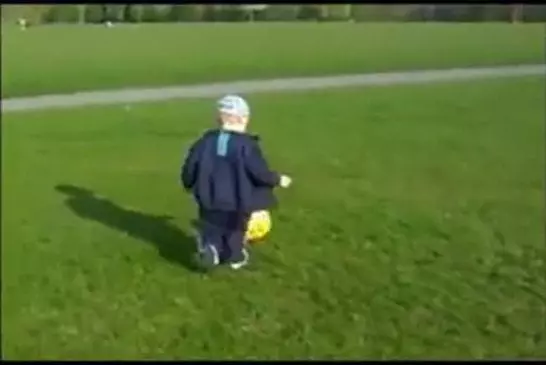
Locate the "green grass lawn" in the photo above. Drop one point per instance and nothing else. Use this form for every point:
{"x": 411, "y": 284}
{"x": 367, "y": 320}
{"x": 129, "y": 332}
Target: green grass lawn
{"x": 73, "y": 58}
{"x": 414, "y": 229}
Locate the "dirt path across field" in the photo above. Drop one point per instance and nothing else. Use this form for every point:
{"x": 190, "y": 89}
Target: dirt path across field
{"x": 127, "y": 96}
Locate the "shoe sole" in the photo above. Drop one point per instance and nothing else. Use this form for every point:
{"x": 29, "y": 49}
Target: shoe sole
{"x": 241, "y": 264}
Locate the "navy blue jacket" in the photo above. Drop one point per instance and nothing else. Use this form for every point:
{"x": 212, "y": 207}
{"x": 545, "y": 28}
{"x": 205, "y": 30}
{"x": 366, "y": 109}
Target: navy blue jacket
{"x": 226, "y": 171}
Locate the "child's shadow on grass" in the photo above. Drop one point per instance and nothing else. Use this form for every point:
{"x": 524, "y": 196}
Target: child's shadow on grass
{"x": 173, "y": 244}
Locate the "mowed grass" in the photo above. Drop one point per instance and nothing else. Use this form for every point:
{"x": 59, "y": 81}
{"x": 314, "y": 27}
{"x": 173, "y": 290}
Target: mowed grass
{"x": 414, "y": 229}
{"x": 58, "y": 59}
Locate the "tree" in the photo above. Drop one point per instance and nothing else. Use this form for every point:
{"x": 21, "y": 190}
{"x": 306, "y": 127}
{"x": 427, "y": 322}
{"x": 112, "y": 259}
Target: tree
{"x": 251, "y": 10}
{"x": 496, "y": 13}
{"x": 127, "y": 15}
{"x": 119, "y": 12}
{"x": 105, "y": 14}
{"x": 337, "y": 12}
{"x": 430, "y": 12}
{"x": 155, "y": 13}
{"x": 34, "y": 14}
{"x": 93, "y": 13}
{"x": 310, "y": 12}
{"x": 138, "y": 12}
{"x": 516, "y": 12}
{"x": 62, "y": 14}
{"x": 372, "y": 13}
{"x": 225, "y": 13}
{"x": 186, "y": 13}
{"x": 534, "y": 13}
{"x": 280, "y": 13}
{"x": 323, "y": 11}
{"x": 81, "y": 13}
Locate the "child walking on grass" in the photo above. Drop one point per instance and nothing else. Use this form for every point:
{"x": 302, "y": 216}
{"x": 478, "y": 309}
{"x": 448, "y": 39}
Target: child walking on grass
{"x": 229, "y": 178}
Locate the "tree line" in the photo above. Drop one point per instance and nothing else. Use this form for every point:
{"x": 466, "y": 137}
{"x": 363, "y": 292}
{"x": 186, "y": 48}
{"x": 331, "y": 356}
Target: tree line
{"x": 100, "y": 13}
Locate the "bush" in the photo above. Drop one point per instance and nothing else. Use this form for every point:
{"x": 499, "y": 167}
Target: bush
{"x": 373, "y": 13}
{"x": 534, "y": 13}
{"x": 224, "y": 13}
{"x": 338, "y": 12}
{"x": 231, "y": 13}
{"x": 62, "y": 14}
{"x": 309, "y": 12}
{"x": 279, "y": 13}
{"x": 94, "y": 14}
{"x": 155, "y": 13}
{"x": 34, "y": 14}
{"x": 459, "y": 13}
{"x": 186, "y": 13}
{"x": 496, "y": 13}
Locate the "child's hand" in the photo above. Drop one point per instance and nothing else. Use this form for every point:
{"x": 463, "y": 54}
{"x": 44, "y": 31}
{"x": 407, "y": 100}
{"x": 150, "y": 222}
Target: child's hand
{"x": 286, "y": 181}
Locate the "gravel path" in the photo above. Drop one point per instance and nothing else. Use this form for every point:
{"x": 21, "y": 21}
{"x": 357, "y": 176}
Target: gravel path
{"x": 278, "y": 85}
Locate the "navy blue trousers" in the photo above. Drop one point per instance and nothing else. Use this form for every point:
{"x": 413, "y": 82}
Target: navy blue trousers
{"x": 226, "y": 231}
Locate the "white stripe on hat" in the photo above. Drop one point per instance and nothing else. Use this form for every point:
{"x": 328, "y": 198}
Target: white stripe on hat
{"x": 235, "y": 105}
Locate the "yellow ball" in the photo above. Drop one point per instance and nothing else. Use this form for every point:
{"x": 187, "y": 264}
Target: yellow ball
{"x": 259, "y": 225}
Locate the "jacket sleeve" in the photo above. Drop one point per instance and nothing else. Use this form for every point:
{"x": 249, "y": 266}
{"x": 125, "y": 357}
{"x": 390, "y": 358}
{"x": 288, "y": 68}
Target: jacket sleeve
{"x": 257, "y": 168}
{"x": 190, "y": 167}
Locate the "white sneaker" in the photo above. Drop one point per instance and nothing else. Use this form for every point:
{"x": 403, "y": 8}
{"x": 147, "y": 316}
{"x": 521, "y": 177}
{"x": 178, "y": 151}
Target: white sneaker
{"x": 242, "y": 263}
{"x": 208, "y": 256}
